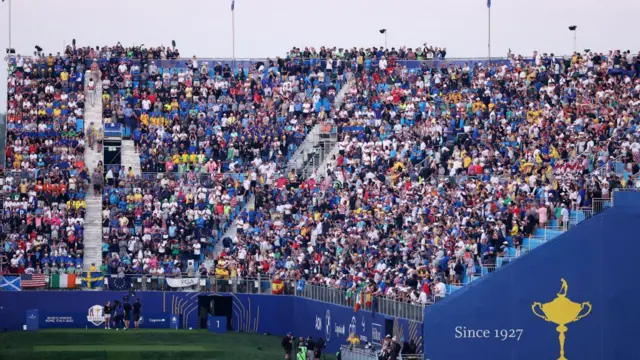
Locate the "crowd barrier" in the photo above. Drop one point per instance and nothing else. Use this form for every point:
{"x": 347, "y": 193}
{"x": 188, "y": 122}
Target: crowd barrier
{"x": 359, "y": 352}
{"x": 263, "y": 286}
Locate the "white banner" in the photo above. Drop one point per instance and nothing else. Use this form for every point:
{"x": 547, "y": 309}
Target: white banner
{"x": 182, "y": 282}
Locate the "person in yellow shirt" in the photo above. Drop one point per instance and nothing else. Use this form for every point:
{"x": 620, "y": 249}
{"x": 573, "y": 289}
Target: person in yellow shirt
{"x": 144, "y": 119}
{"x": 353, "y": 339}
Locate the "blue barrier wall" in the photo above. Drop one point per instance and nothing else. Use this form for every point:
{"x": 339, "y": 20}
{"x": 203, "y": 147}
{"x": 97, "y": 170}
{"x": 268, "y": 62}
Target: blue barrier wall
{"x": 276, "y": 315}
{"x": 493, "y": 318}
{"x": 627, "y": 199}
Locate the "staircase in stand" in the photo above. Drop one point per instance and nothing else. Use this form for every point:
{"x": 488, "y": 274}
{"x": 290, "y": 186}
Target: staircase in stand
{"x": 319, "y": 143}
{"x": 93, "y": 215}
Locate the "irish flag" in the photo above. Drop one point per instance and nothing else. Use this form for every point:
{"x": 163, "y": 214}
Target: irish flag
{"x": 62, "y": 281}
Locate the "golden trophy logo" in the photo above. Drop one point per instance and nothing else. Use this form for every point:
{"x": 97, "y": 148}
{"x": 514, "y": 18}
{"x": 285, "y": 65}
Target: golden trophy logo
{"x": 561, "y": 311}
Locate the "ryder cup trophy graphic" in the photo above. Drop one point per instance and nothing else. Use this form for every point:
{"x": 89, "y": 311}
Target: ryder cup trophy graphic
{"x": 561, "y": 311}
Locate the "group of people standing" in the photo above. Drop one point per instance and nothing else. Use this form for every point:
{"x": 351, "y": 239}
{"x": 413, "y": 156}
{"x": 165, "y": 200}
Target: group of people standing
{"x": 119, "y": 314}
{"x": 306, "y": 349}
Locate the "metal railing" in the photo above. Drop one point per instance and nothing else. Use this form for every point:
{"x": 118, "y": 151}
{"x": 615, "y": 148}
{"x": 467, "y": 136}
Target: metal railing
{"x": 599, "y": 204}
{"x": 351, "y": 352}
{"x": 362, "y": 352}
{"x": 259, "y": 285}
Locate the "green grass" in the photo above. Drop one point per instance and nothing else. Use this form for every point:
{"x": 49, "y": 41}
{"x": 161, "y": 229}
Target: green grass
{"x": 138, "y": 345}
{"x": 118, "y": 348}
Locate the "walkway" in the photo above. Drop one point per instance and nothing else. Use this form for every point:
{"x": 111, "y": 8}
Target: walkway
{"x": 232, "y": 231}
{"x": 93, "y": 216}
{"x": 130, "y": 159}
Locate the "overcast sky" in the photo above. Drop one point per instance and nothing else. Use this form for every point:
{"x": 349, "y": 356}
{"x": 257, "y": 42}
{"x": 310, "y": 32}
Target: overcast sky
{"x": 270, "y": 28}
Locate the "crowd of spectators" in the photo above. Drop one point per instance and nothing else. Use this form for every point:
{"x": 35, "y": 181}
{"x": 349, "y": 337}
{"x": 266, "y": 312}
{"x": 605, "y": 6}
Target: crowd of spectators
{"x": 166, "y": 225}
{"x": 441, "y": 171}
{"x": 199, "y": 115}
{"x": 44, "y": 181}
{"x": 358, "y": 56}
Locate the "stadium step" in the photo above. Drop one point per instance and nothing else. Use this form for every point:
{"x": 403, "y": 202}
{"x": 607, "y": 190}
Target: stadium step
{"x": 93, "y": 215}
{"x": 232, "y": 231}
{"x": 316, "y": 144}
{"x": 130, "y": 159}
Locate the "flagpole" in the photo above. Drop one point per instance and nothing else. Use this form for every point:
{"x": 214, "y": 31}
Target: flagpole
{"x": 10, "y": 24}
{"x": 233, "y": 34}
{"x": 489, "y": 25}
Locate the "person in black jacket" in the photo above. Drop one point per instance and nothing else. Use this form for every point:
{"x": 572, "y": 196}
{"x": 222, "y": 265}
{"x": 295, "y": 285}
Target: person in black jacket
{"x": 394, "y": 352}
{"x": 311, "y": 346}
{"x": 287, "y": 345}
{"x": 137, "y": 308}
{"x": 127, "y": 313}
{"x": 317, "y": 351}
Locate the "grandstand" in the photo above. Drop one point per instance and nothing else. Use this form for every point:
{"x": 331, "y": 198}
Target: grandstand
{"x": 381, "y": 180}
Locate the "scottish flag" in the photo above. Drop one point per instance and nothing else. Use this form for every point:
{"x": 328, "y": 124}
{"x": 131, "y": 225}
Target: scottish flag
{"x": 10, "y": 283}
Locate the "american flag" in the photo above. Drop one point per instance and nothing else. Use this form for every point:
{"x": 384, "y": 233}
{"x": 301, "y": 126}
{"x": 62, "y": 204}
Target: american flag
{"x": 32, "y": 280}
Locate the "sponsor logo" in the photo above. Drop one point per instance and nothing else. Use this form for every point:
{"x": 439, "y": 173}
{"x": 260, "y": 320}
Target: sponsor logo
{"x": 174, "y": 318}
{"x": 32, "y": 317}
{"x": 353, "y": 329}
{"x": 96, "y": 315}
{"x": 376, "y": 333}
{"x": 318, "y": 323}
{"x": 560, "y": 311}
{"x": 340, "y": 329}
{"x": 141, "y": 320}
{"x": 327, "y": 324}
{"x": 152, "y": 320}
{"x": 363, "y": 337}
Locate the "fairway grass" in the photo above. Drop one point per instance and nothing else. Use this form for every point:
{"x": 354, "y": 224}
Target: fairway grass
{"x": 119, "y": 348}
{"x": 146, "y": 344}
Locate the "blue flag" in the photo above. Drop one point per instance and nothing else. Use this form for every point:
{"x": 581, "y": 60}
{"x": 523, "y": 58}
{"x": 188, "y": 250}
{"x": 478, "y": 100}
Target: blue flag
{"x": 92, "y": 280}
{"x": 489, "y": 4}
{"x": 233, "y": 4}
{"x": 116, "y": 283}
{"x": 10, "y": 283}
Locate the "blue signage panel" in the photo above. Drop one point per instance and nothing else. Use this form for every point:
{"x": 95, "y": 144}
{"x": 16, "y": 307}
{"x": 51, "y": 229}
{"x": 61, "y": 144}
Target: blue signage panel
{"x": 32, "y": 320}
{"x": 217, "y": 324}
{"x": 175, "y": 321}
{"x": 564, "y": 300}
{"x": 155, "y": 320}
{"x": 50, "y": 320}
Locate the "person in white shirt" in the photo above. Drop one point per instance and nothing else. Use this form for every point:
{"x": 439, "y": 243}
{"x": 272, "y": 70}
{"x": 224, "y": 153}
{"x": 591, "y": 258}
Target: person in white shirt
{"x": 439, "y": 289}
{"x": 382, "y": 64}
{"x": 564, "y": 215}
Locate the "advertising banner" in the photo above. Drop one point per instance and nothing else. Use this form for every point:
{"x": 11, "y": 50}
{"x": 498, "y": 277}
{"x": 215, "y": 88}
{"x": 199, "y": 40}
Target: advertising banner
{"x": 182, "y": 282}
{"x": 154, "y": 320}
{"x": 63, "y": 320}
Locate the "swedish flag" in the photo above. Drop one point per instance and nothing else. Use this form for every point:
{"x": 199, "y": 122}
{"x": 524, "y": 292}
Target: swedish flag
{"x": 92, "y": 280}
